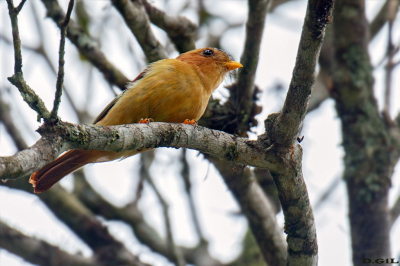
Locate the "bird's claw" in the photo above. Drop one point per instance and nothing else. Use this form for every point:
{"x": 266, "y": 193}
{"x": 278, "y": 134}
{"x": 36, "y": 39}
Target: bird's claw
{"x": 191, "y": 122}
{"x": 145, "y": 120}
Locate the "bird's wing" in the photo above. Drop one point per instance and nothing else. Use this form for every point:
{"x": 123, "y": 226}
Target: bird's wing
{"x": 108, "y": 108}
{"x": 116, "y": 99}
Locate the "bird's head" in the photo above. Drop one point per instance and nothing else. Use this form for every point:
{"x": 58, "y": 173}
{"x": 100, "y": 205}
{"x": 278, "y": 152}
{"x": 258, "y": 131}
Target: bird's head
{"x": 212, "y": 64}
{"x": 210, "y": 58}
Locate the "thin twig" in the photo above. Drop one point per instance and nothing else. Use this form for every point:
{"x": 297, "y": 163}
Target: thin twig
{"x": 395, "y": 211}
{"x": 185, "y": 173}
{"x": 133, "y": 217}
{"x": 391, "y": 14}
{"x": 61, "y": 61}
{"x": 20, "y": 6}
{"x": 146, "y": 160}
{"x": 8, "y": 121}
{"x": 328, "y": 192}
{"x": 29, "y": 96}
{"x": 86, "y": 45}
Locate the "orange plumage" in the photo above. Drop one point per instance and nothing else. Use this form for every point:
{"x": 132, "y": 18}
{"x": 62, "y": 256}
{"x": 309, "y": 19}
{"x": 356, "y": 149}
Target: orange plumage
{"x": 169, "y": 90}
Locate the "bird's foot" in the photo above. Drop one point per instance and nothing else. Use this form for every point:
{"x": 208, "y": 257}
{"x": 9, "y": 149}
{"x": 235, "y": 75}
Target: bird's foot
{"x": 191, "y": 122}
{"x": 146, "y": 120}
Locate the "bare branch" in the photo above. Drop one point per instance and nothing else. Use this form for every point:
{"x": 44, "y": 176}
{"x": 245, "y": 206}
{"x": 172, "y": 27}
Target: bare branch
{"x": 390, "y": 52}
{"x": 61, "y": 62}
{"x": 147, "y": 160}
{"x": 258, "y": 211}
{"x": 185, "y": 173}
{"x": 382, "y": 17}
{"x": 131, "y": 215}
{"x": 64, "y": 136}
{"x": 364, "y": 134}
{"x": 180, "y": 30}
{"x": 287, "y": 125}
{"x": 38, "y": 251}
{"x": 20, "y": 6}
{"x": 8, "y": 121}
{"x": 242, "y": 93}
{"x": 282, "y": 130}
{"x": 29, "y": 96}
{"x": 86, "y": 45}
{"x": 328, "y": 192}
{"x": 84, "y": 223}
{"x": 395, "y": 211}
{"x": 137, "y": 21}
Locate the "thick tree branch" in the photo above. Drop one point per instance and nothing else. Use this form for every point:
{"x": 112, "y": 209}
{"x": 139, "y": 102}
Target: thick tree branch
{"x": 131, "y": 215}
{"x": 137, "y": 21}
{"x": 323, "y": 85}
{"x": 86, "y": 45}
{"x": 63, "y": 136}
{"x": 370, "y": 157}
{"x": 287, "y": 125}
{"x": 281, "y": 132}
{"x": 38, "y": 251}
{"x": 180, "y": 30}
{"x": 258, "y": 211}
{"x": 84, "y": 223}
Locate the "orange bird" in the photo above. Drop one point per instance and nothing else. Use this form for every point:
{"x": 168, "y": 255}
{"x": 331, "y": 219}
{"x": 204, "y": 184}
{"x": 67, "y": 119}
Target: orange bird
{"x": 170, "y": 90}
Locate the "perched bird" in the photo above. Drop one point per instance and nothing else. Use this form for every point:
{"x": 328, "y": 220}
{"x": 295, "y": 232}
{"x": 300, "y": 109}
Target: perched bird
{"x": 170, "y": 90}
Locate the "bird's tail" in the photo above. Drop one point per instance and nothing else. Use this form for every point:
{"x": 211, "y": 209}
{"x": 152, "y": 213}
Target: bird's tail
{"x": 67, "y": 163}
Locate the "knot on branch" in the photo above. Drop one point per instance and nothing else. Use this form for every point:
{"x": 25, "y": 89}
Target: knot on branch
{"x": 323, "y": 16}
{"x": 268, "y": 138}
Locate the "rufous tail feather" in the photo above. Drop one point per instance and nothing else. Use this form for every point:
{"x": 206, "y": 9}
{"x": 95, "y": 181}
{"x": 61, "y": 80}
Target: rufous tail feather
{"x": 67, "y": 163}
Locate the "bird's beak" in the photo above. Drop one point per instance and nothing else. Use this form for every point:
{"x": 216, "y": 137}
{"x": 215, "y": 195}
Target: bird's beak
{"x": 231, "y": 65}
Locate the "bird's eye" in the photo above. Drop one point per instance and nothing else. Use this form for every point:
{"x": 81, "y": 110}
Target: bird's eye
{"x": 208, "y": 52}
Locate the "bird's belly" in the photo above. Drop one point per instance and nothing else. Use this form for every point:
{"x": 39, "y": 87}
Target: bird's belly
{"x": 176, "y": 107}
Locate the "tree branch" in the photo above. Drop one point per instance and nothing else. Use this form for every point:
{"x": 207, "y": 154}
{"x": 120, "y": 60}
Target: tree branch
{"x": 382, "y": 17}
{"x": 8, "y": 121}
{"x": 29, "y": 96}
{"x": 61, "y": 62}
{"x": 180, "y": 30}
{"x": 185, "y": 174}
{"x": 146, "y": 160}
{"x": 243, "y": 95}
{"x": 258, "y": 211}
{"x": 86, "y": 45}
{"x": 287, "y": 125}
{"x": 369, "y": 154}
{"x": 282, "y": 130}
{"x": 131, "y": 215}
{"x": 57, "y": 138}
{"x": 137, "y": 21}
{"x": 38, "y": 251}
{"x": 395, "y": 211}
{"x": 84, "y": 223}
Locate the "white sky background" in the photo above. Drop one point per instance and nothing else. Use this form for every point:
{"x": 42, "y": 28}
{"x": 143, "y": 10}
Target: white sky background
{"x": 322, "y": 162}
